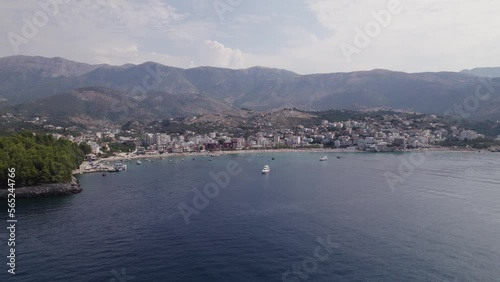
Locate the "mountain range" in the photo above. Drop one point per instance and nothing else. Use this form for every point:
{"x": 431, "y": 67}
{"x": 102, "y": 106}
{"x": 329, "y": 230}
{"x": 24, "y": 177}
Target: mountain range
{"x": 61, "y": 88}
{"x": 484, "y": 72}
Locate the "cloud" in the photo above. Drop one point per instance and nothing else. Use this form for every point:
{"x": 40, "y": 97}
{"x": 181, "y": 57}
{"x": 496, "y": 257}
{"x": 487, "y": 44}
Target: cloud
{"x": 214, "y": 53}
{"x": 303, "y": 36}
{"x": 252, "y": 19}
{"x": 103, "y": 31}
{"x": 426, "y": 36}
{"x": 135, "y": 16}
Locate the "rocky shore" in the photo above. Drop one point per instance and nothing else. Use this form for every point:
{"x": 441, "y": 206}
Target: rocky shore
{"x": 45, "y": 190}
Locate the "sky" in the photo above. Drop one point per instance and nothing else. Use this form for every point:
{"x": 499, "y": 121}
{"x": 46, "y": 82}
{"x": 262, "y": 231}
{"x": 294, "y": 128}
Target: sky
{"x": 304, "y": 36}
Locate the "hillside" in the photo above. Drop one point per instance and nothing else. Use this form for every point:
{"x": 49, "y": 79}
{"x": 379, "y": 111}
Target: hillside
{"x": 184, "y": 92}
{"x": 484, "y": 72}
{"x": 98, "y": 106}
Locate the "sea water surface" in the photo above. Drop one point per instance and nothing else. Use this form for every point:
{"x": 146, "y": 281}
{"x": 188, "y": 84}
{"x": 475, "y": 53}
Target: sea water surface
{"x": 440, "y": 222}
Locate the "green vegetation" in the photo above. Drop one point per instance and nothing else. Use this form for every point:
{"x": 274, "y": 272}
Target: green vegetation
{"x": 344, "y": 115}
{"x": 38, "y": 159}
{"x": 480, "y": 143}
{"x": 85, "y": 148}
{"x": 488, "y": 128}
{"x": 118, "y": 147}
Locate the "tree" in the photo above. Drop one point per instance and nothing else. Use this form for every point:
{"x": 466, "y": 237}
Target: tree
{"x": 85, "y": 148}
{"x": 38, "y": 159}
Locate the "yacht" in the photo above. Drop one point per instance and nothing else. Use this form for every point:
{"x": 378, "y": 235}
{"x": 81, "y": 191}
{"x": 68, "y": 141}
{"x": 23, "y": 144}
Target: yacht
{"x": 323, "y": 158}
{"x": 266, "y": 169}
{"x": 120, "y": 166}
{"x": 138, "y": 162}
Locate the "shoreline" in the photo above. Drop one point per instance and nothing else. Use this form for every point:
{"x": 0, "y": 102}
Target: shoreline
{"x": 263, "y": 151}
{"x": 46, "y": 190}
{"x": 63, "y": 189}
{"x": 124, "y": 157}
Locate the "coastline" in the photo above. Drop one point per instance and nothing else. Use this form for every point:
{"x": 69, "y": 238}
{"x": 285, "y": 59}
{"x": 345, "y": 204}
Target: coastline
{"x": 123, "y": 156}
{"x": 73, "y": 187}
{"x": 46, "y": 190}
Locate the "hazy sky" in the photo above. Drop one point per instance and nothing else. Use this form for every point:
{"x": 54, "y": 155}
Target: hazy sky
{"x": 305, "y": 36}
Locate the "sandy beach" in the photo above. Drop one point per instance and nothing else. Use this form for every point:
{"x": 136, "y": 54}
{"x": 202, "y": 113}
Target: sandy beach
{"x": 124, "y": 156}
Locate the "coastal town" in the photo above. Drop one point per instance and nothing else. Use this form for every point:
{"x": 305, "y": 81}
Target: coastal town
{"x": 381, "y": 133}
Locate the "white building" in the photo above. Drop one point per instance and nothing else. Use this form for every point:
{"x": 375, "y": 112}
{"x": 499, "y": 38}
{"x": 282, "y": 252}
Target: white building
{"x": 468, "y": 134}
{"x": 148, "y": 139}
{"x": 296, "y": 140}
{"x": 337, "y": 144}
{"x": 96, "y": 149}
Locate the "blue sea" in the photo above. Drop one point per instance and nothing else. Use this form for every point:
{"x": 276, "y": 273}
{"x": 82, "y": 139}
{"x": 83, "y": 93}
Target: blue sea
{"x": 359, "y": 217}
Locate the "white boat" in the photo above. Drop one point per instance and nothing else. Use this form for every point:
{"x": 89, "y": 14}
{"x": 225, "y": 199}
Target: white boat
{"x": 323, "y": 158}
{"x": 266, "y": 169}
{"x": 120, "y": 166}
{"x": 138, "y": 162}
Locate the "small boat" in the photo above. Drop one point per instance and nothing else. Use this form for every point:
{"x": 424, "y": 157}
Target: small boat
{"x": 104, "y": 174}
{"x": 266, "y": 169}
{"x": 138, "y": 162}
{"x": 214, "y": 155}
{"x": 338, "y": 157}
{"x": 273, "y": 159}
{"x": 120, "y": 166}
{"x": 323, "y": 158}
